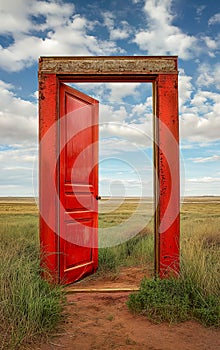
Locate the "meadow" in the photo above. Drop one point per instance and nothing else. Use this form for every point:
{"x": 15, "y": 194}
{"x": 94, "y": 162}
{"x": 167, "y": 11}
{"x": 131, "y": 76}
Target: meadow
{"x": 31, "y": 308}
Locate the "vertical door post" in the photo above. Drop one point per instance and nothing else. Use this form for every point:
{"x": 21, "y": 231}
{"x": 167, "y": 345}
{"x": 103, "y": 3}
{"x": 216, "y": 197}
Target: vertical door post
{"x": 167, "y": 220}
{"x": 47, "y": 174}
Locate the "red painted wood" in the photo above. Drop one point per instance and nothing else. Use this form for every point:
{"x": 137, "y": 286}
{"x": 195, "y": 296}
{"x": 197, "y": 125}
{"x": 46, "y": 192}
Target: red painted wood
{"x": 66, "y": 201}
{"x": 47, "y": 174}
{"x": 78, "y": 243}
{"x": 167, "y": 138}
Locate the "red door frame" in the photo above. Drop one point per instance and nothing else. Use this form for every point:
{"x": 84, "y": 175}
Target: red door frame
{"x": 162, "y": 72}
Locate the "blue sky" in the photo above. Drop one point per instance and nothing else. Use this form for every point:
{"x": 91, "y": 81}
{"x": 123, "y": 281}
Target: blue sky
{"x": 189, "y": 29}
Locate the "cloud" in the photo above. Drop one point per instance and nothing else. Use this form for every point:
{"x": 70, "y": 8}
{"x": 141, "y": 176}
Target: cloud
{"x": 161, "y": 37}
{"x": 116, "y": 32}
{"x": 62, "y": 32}
{"x": 214, "y": 158}
{"x": 199, "y": 12}
{"x": 196, "y": 128}
{"x": 109, "y": 114}
{"x": 214, "y": 19}
{"x": 119, "y": 91}
{"x": 110, "y": 92}
{"x": 209, "y": 75}
{"x": 14, "y": 17}
{"x": 25, "y": 16}
{"x": 199, "y": 109}
{"x": 117, "y": 146}
{"x": 16, "y": 174}
{"x": 211, "y": 44}
{"x": 18, "y": 118}
{"x": 205, "y": 179}
{"x": 185, "y": 89}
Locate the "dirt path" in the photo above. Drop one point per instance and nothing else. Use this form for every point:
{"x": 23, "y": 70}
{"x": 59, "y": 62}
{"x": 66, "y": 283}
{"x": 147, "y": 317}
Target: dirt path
{"x": 102, "y": 321}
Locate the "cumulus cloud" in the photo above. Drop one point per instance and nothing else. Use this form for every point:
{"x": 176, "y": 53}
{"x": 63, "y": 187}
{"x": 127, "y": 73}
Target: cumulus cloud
{"x": 121, "y": 31}
{"x": 110, "y": 92}
{"x": 16, "y": 174}
{"x": 161, "y": 37}
{"x": 199, "y": 108}
{"x": 200, "y": 122}
{"x": 214, "y": 19}
{"x": 209, "y": 75}
{"x": 61, "y": 32}
{"x": 185, "y": 89}
{"x": 18, "y": 118}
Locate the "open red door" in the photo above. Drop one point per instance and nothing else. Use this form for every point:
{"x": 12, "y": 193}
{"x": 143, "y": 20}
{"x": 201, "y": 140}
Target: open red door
{"x": 78, "y": 185}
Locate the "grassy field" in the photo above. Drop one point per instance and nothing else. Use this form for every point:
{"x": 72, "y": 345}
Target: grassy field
{"x": 30, "y": 308}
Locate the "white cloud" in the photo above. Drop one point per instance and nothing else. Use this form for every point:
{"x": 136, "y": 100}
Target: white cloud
{"x": 161, "y": 37}
{"x": 62, "y": 33}
{"x": 199, "y": 11}
{"x": 209, "y": 75}
{"x": 116, "y": 146}
{"x": 199, "y": 112}
{"x": 142, "y": 110}
{"x": 13, "y": 16}
{"x": 119, "y": 91}
{"x": 110, "y": 92}
{"x": 185, "y": 89}
{"x": 16, "y": 176}
{"x": 200, "y": 129}
{"x": 121, "y": 31}
{"x": 205, "y": 179}
{"x": 111, "y": 114}
{"x": 138, "y": 134}
{"x": 18, "y": 16}
{"x": 18, "y": 118}
{"x": 214, "y": 158}
{"x": 214, "y": 19}
{"x": 210, "y": 43}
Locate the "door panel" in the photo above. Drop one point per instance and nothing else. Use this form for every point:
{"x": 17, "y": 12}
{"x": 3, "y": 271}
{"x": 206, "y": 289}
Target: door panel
{"x": 78, "y": 185}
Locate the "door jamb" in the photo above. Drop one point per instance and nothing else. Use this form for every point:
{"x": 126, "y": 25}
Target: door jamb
{"x": 162, "y": 72}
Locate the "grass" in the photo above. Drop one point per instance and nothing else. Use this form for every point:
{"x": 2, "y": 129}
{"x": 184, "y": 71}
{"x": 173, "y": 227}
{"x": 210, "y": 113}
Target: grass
{"x": 196, "y": 293}
{"x": 138, "y": 249}
{"x": 175, "y": 300}
{"x": 29, "y": 307}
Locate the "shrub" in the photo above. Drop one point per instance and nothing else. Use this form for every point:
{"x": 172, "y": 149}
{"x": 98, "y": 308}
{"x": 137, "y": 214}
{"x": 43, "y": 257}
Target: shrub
{"x": 175, "y": 300}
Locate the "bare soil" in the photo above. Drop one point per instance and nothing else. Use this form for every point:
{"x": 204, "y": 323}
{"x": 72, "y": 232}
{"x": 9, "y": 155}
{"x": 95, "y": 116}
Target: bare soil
{"x": 102, "y": 321}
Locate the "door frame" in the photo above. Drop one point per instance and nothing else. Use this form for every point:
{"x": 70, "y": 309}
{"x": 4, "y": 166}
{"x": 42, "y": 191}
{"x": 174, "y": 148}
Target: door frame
{"x": 162, "y": 72}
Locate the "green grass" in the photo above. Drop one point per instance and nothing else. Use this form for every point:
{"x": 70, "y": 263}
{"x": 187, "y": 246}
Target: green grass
{"x": 139, "y": 249}
{"x": 29, "y": 307}
{"x": 175, "y": 300}
{"x": 196, "y": 294}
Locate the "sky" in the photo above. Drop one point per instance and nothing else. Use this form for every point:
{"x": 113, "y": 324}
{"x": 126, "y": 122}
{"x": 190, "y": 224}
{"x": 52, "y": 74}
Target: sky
{"x": 190, "y": 29}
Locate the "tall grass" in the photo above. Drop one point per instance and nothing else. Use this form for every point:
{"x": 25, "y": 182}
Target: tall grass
{"x": 138, "y": 250}
{"x": 29, "y": 307}
{"x": 200, "y": 253}
{"x": 196, "y": 294}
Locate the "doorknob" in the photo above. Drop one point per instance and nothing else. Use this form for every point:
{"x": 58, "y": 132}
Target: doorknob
{"x": 98, "y": 198}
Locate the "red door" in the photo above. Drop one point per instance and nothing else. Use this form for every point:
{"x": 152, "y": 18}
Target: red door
{"x": 77, "y": 185}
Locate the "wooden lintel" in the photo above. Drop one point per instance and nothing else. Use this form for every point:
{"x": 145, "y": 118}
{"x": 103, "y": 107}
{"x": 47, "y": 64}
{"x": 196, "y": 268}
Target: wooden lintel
{"x": 104, "y": 65}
